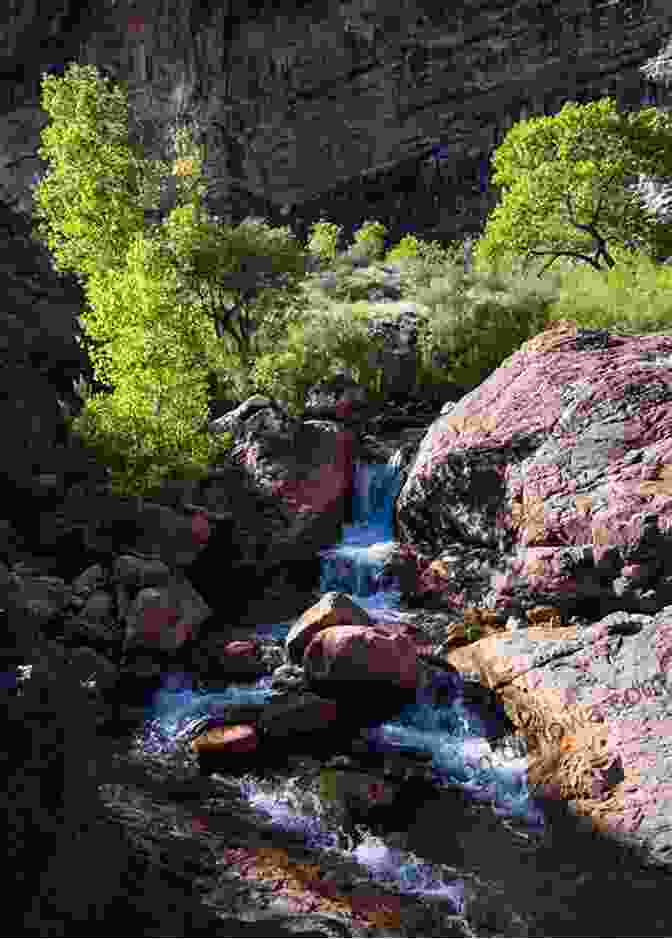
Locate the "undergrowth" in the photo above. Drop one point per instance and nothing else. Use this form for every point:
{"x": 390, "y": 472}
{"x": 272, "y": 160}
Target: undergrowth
{"x": 469, "y": 323}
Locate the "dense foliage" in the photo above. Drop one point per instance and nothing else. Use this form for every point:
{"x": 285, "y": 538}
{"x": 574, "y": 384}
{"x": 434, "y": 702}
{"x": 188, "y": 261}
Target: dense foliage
{"x": 167, "y": 308}
{"x": 564, "y": 181}
{"x": 189, "y": 308}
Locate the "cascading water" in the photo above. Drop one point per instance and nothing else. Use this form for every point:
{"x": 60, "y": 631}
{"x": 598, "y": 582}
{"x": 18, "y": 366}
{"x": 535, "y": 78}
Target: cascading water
{"x": 442, "y": 724}
{"x": 356, "y": 565}
{"x": 456, "y": 733}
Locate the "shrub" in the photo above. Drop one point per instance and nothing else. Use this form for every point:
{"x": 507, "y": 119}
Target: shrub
{"x": 370, "y": 240}
{"x": 474, "y": 321}
{"x": 323, "y": 240}
{"x": 634, "y": 297}
{"x": 142, "y": 450}
{"x": 331, "y": 337}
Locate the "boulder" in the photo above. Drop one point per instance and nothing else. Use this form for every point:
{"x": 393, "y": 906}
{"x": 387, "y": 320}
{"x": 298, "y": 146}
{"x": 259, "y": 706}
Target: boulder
{"x": 218, "y": 656}
{"x": 334, "y": 609}
{"x": 593, "y": 703}
{"x": 96, "y": 624}
{"x": 299, "y": 476}
{"x": 558, "y": 464}
{"x": 288, "y": 677}
{"x": 293, "y": 713}
{"x": 165, "y": 617}
{"x": 172, "y": 537}
{"x": 225, "y": 741}
{"x": 232, "y": 421}
{"x": 343, "y": 654}
{"x": 89, "y": 580}
{"x": 109, "y": 525}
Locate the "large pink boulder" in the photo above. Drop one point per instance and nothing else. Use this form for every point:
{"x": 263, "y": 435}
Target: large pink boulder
{"x": 593, "y": 702}
{"x": 333, "y": 609}
{"x": 560, "y": 464}
{"x": 362, "y": 654}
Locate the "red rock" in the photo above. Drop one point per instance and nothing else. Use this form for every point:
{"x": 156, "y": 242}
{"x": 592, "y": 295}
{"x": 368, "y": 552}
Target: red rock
{"x": 237, "y": 657}
{"x": 358, "y": 653}
{"x": 593, "y": 703}
{"x": 165, "y": 616}
{"x": 564, "y": 456}
{"x": 333, "y": 609}
{"x": 200, "y": 528}
{"x": 241, "y": 647}
{"x": 222, "y": 740}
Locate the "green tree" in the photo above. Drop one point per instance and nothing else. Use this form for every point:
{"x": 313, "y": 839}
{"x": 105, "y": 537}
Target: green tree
{"x": 564, "y": 182}
{"x": 246, "y": 279}
{"x": 156, "y": 316}
{"x": 92, "y": 199}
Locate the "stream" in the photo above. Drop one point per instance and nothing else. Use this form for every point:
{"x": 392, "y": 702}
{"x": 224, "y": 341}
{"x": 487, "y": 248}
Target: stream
{"x": 428, "y": 809}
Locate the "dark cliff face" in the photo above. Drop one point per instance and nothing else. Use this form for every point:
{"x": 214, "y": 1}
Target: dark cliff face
{"x": 38, "y": 318}
{"x": 356, "y": 110}
{"x": 307, "y": 109}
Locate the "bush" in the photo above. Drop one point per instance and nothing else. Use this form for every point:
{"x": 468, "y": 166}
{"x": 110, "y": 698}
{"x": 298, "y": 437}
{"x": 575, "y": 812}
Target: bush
{"x": 370, "y": 240}
{"x": 331, "y": 337}
{"x": 144, "y": 450}
{"x": 474, "y": 321}
{"x": 323, "y": 240}
{"x": 634, "y": 297}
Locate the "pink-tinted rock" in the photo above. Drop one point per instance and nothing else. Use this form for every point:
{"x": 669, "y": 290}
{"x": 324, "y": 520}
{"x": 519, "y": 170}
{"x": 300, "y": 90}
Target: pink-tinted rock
{"x": 200, "y": 528}
{"x": 221, "y": 741}
{"x": 165, "y": 617}
{"x": 241, "y": 647}
{"x": 218, "y": 656}
{"x": 303, "y": 468}
{"x": 357, "y": 653}
{"x": 561, "y": 462}
{"x": 593, "y": 702}
{"x": 333, "y": 609}
{"x": 422, "y": 642}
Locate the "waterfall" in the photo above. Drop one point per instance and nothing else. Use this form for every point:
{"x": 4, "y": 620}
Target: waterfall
{"x": 356, "y": 566}
{"x": 465, "y": 740}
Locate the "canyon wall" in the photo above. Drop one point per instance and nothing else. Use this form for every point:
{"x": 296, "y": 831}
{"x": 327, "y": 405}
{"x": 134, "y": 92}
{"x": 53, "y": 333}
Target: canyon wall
{"x": 356, "y": 110}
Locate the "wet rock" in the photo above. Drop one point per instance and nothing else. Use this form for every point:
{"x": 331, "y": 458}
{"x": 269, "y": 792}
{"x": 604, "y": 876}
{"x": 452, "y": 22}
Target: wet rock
{"x": 218, "y": 656}
{"x": 593, "y": 703}
{"x": 294, "y": 713}
{"x": 289, "y": 677}
{"x": 343, "y": 654}
{"x": 357, "y": 789}
{"x": 334, "y": 609}
{"x": 225, "y": 741}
